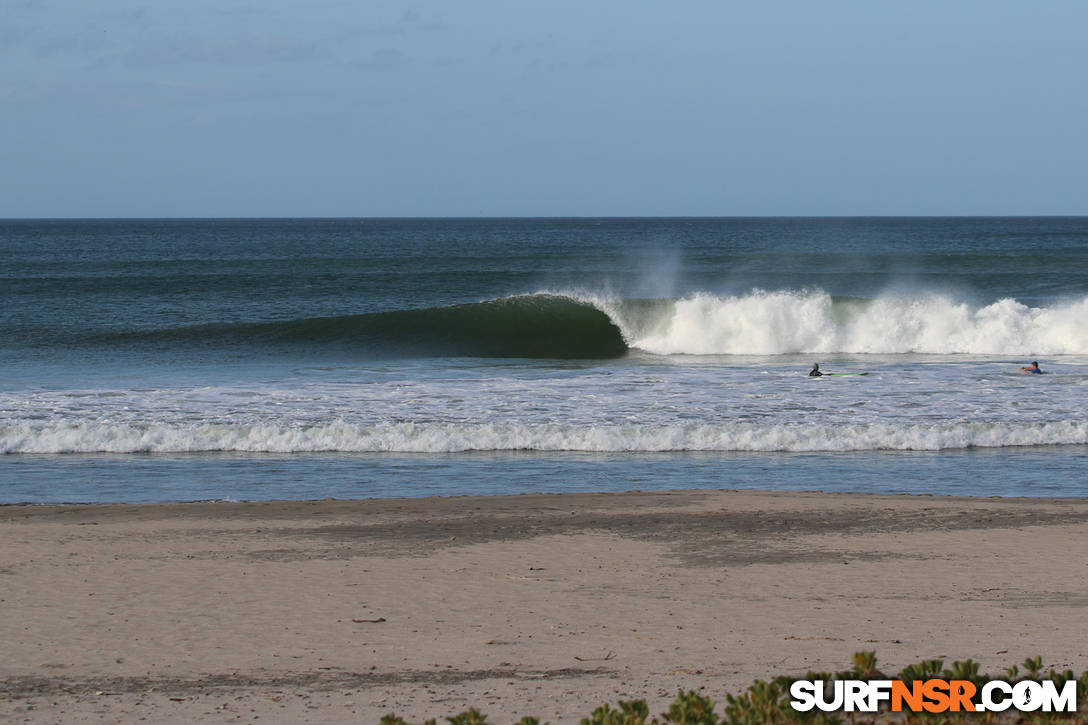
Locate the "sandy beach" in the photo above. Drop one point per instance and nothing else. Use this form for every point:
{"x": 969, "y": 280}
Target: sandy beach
{"x": 543, "y": 605}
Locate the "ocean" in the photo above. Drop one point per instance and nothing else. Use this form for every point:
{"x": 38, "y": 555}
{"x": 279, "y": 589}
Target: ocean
{"x": 256, "y": 359}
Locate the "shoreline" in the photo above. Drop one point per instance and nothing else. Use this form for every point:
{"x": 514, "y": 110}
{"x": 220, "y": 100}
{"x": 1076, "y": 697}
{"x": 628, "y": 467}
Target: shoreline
{"x": 532, "y": 604}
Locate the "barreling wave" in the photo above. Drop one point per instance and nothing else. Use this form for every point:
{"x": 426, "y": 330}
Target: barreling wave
{"x": 561, "y": 325}
{"x": 341, "y": 437}
{"x": 529, "y": 326}
{"x": 786, "y": 322}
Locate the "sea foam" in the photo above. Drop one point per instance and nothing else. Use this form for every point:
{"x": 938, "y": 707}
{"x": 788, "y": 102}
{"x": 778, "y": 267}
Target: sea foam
{"x": 458, "y": 437}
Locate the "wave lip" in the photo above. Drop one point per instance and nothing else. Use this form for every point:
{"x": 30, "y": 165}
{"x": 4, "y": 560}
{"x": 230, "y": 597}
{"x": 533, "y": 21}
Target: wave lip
{"x": 341, "y": 437}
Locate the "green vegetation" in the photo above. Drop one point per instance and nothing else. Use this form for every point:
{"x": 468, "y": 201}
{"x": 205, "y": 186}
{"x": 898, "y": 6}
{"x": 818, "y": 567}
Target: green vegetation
{"x": 768, "y": 703}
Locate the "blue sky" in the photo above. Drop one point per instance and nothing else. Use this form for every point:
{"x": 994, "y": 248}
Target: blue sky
{"x": 510, "y": 108}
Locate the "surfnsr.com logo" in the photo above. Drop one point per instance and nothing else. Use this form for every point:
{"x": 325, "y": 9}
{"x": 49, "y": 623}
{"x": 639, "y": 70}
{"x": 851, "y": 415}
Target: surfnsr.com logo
{"x": 933, "y": 695}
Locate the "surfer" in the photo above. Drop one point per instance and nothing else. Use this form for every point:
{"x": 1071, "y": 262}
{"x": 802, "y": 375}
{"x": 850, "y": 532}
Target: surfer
{"x": 815, "y": 372}
{"x": 1033, "y": 370}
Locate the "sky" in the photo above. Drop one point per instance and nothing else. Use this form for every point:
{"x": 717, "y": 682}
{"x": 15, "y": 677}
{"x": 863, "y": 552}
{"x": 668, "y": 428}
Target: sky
{"x": 217, "y": 108}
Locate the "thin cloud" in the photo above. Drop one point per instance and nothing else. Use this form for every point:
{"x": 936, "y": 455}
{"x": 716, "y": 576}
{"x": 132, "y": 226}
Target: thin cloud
{"x": 599, "y": 62}
{"x": 384, "y": 60}
{"x": 83, "y": 43}
{"x": 134, "y": 16}
{"x": 256, "y": 50}
{"x": 412, "y": 20}
{"x": 408, "y": 23}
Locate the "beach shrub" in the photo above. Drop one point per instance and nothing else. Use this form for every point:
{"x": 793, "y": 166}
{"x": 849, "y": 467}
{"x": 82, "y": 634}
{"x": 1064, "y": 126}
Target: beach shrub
{"x": 768, "y": 702}
{"x": 924, "y": 670}
{"x": 691, "y": 708}
{"x": 472, "y": 716}
{"x": 965, "y": 670}
{"x": 865, "y": 666}
{"x": 1033, "y": 666}
{"x": 630, "y": 712}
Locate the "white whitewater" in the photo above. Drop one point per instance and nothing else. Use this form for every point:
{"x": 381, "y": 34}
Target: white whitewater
{"x": 794, "y": 322}
{"x": 454, "y": 438}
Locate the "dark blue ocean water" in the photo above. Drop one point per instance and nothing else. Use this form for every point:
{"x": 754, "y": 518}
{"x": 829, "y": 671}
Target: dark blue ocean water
{"x": 149, "y": 360}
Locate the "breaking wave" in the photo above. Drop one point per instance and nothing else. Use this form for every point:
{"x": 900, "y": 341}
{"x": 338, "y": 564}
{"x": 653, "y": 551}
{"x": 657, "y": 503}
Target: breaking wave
{"x": 459, "y": 437}
{"x": 561, "y": 325}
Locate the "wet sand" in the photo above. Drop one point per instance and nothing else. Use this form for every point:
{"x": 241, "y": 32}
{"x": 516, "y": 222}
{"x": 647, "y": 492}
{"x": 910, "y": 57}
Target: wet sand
{"x": 543, "y": 605}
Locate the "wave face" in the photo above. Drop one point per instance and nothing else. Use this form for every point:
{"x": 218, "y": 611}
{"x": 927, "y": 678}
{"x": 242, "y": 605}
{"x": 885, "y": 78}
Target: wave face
{"x": 787, "y": 322}
{"x": 460, "y": 437}
{"x": 528, "y": 326}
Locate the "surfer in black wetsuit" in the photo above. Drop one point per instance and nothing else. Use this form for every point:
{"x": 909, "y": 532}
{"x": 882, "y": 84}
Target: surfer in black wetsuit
{"x": 815, "y": 372}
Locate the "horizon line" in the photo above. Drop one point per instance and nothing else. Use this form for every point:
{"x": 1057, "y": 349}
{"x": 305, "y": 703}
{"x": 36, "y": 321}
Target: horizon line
{"x": 551, "y": 217}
